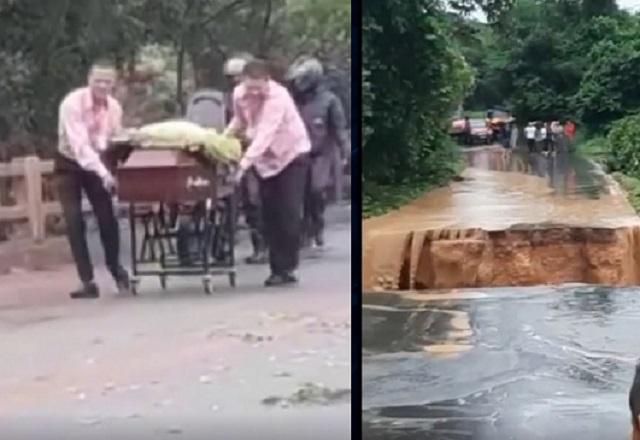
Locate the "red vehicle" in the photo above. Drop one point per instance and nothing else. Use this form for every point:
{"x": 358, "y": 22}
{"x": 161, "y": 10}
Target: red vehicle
{"x": 480, "y": 133}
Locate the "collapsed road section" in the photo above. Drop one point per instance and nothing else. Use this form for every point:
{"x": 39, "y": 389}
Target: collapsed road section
{"x": 514, "y": 220}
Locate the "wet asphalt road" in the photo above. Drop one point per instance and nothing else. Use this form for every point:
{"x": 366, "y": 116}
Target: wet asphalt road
{"x": 242, "y": 363}
{"x": 517, "y": 363}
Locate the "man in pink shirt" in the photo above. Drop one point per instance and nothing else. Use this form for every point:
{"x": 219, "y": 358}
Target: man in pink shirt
{"x": 278, "y": 151}
{"x": 88, "y": 117}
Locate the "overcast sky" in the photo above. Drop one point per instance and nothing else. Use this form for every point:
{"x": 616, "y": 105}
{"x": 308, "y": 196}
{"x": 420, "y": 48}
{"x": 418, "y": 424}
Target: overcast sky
{"x": 631, "y": 5}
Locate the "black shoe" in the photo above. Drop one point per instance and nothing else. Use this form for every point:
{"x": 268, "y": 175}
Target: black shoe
{"x": 274, "y": 280}
{"x": 88, "y": 290}
{"x": 280, "y": 280}
{"x": 123, "y": 282}
{"x": 319, "y": 239}
{"x": 257, "y": 258}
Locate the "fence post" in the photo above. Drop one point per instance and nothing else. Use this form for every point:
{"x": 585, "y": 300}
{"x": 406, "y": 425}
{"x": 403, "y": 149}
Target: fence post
{"x": 33, "y": 180}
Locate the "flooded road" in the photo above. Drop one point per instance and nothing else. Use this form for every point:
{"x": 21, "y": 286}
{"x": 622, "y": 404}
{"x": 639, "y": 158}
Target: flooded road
{"x": 503, "y": 189}
{"x": 513, "y": 363}
{"x": 515, "y": 219}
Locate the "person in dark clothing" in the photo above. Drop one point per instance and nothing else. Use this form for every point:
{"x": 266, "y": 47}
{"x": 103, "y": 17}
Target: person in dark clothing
{"x": 325, "y": 121}
{"x": 467, "y": 131}
{"x": 505, "y": 135}
{"x": 250, "y": 185}
{"x": 549, "y": 144}
{"x": 88, "y": 117}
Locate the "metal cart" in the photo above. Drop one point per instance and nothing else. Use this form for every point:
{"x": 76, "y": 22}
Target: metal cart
{"x": 166, "y": 189}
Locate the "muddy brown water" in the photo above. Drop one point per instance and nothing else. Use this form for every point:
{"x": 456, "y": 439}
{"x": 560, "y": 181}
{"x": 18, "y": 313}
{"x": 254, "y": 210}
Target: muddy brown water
{"x": 443, "y": 361}
{"x": 515, "y": 219}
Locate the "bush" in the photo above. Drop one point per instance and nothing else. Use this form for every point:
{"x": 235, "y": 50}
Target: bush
{"x": 596, "y": 147}
{"x": 623, "y": 146}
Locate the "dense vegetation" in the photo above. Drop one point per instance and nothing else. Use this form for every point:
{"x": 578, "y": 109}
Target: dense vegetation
{"x": 48, "y": 45}
{"x": 544, "y": 59}
{"x": 412, "y": 78}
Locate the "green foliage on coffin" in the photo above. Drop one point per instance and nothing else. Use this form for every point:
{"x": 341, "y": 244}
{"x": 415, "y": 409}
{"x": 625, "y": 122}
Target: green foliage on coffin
{"x": 187, "y": 135}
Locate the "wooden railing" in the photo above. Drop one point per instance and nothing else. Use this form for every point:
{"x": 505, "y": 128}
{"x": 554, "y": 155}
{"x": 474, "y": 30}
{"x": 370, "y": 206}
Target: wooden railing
{"x": 32, "y": 188}
{"x": 29, "y": 176}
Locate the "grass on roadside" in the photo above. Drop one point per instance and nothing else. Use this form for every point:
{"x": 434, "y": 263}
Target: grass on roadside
{"x": 631, "y": 186}
{"x": 595, "y": 149}
{"x": 379, "y": 199}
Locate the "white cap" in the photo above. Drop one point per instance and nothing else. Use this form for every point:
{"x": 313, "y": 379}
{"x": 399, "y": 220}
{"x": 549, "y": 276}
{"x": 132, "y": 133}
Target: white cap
{"x": 235, "y": 65}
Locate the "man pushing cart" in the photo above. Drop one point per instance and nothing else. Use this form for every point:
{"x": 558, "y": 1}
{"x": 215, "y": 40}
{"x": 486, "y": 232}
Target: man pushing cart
{"x": 156, "y": 168}
{"x": 174, "y": 170}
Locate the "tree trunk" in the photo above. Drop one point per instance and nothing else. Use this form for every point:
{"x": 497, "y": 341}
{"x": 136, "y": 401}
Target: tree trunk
{"x": 262, "y": 45}
{"x": 208, "y": 70}
{"x": 179, "y": 75}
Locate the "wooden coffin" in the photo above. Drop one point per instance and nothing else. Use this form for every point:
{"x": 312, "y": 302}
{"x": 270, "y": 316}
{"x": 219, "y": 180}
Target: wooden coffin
{"x": 165, "y": 175}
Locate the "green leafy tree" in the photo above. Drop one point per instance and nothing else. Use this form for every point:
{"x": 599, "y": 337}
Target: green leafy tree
{"x": 413, "y": 79}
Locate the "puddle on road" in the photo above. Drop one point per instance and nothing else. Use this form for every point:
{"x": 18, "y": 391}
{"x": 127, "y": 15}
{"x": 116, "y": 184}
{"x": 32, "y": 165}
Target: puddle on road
{"x": 553, "y": 362}
{"x": 516, "y": 219}
{"x": 437, "y": 331}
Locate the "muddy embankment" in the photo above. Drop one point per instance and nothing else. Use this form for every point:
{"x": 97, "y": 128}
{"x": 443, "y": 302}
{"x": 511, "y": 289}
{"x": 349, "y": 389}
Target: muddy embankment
{"x": 515, "y": 220}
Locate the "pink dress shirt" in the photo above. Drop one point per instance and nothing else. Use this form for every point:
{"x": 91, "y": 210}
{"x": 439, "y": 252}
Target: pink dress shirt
{"x": 84, "y": 129}
{"x": 274, "y": 127}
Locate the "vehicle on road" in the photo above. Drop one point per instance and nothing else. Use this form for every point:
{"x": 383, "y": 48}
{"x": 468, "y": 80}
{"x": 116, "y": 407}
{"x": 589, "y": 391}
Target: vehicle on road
{"x": 480, "y": 132}
{"x": 496, "y": 118}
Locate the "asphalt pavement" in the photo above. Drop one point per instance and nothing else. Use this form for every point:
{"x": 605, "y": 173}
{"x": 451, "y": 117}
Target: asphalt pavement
{"x": 511, "y": 363}
{"x": 244, "y": 362}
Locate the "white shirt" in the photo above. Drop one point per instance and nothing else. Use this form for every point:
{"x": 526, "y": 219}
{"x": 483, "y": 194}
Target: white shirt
{"x": 530, "y": 132}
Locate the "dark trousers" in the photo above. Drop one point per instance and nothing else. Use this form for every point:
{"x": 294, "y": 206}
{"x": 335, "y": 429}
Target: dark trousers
{"x": 252, "y": 206}
{"x": 318, "y": 182}
{"x": 531, "y": 143}
{"x": 282, "y": 207}
{"x": 72, "y": 181}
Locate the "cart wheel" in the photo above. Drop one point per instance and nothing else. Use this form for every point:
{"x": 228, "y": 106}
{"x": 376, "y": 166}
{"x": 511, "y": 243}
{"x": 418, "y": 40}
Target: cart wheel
{"x": 133, "y": 285}
{"x": 232, "y": 279}
{"x": 163, "y": 282}
{"x": 206, "y": 283}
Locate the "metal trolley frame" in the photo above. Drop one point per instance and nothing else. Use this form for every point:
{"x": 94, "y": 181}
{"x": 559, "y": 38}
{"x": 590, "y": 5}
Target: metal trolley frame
{"x": 186, "y": 229}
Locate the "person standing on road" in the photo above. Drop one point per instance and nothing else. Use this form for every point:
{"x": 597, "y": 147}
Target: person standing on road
{"x": 530, "y": 134}
{"x": 506, "y": 134}
{"x": 569, "y": 133}
{"x": 279, "y": 149}
{"x": 556, "y": 129}
{"x": 88, "y": 117}
{"x": 326, "y": 124}
{"x": 467, "y": 132}
{"x": 541, "y": 135}
{"x": 250, "y": 185}
{"x": 548, "y": 138}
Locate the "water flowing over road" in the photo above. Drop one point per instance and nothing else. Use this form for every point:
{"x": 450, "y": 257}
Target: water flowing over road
{"x": 487, "y": 314}
{"x": 514, "y": 219}
{"x": 515, "y": 363}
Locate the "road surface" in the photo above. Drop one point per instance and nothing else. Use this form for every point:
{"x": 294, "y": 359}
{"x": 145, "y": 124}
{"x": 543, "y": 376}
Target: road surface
{"x": 513, "y": 363}
{"x": 247, "y": 362}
